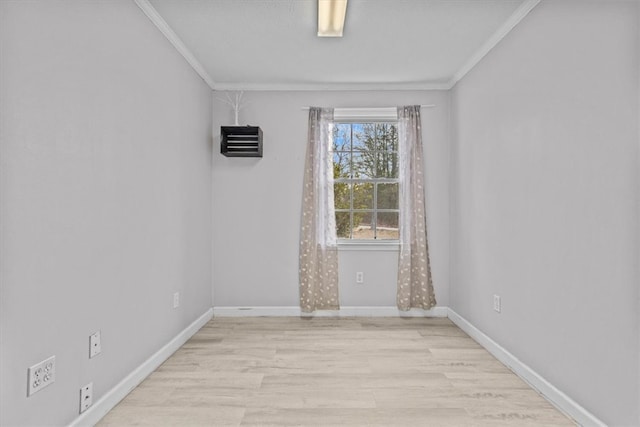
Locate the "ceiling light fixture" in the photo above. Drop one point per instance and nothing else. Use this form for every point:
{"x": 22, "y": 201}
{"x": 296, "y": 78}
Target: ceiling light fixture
{"x": 331, "y": 14}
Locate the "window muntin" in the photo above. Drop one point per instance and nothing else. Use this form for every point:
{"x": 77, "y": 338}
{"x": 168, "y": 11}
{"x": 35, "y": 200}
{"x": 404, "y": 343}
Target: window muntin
{"x": 365, "y": 166}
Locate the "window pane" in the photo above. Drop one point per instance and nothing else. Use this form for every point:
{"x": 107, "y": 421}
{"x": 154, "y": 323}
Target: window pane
{"x": 342, "y": 195}
{"x": 363, "y": 165}
{"x": 387, "y": 196}
{"x": 387, "y": 226}
{"x": 341, "y": 164}
{"x": 343, "y": 225}
{"x": 386, "y": 165}
{"x": 342, "y": 137}
{"x": 366, "y": 152}
{"x": 363, "y": 195}
{"x": 364, "y": 135}
{"x": 362, "y": 225}
{"x": 386, "y": 137}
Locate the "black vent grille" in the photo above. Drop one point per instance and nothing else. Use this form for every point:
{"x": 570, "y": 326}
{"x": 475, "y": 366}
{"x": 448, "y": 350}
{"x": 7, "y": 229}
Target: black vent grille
{"x": 241, "y": 141}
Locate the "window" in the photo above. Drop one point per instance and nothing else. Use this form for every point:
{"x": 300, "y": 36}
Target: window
{"x": 365, "y": 170}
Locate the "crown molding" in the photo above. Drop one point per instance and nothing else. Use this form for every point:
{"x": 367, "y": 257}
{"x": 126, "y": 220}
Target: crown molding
{"x": 486, "y": 47}
{"x": 504, "y": 29}
{"x": 173, "y": 38}
{"x": 331, "y": 86}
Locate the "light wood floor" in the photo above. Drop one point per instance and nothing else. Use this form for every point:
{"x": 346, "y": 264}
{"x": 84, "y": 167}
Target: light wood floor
{"x": 356, "y": 371}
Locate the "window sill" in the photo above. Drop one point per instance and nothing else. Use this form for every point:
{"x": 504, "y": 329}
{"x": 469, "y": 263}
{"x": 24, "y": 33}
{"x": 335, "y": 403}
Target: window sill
{"x": 363, "y": 245}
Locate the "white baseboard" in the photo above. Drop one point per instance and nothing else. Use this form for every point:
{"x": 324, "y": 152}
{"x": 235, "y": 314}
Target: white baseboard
{"x": 563, "y": 402}
{"x": 107, "y": 402}
{"x": 560, "y": 400}
{"x": 293, "y": 311}
{"x": 283, "y": 311}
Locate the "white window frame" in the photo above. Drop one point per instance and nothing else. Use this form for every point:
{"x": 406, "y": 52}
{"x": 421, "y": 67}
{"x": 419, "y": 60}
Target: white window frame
{"x": 368, "y": 115}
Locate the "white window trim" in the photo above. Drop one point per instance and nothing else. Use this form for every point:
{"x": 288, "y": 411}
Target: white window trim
{"x": 375, "y": 115}
{"x": 368, "y": 245}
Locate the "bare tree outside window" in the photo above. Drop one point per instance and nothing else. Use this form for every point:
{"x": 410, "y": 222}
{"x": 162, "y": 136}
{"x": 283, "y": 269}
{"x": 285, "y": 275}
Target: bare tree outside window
{"x": 365, "y": 166}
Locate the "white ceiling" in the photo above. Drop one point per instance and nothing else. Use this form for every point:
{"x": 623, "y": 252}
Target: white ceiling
{"x": 387, "y": 44}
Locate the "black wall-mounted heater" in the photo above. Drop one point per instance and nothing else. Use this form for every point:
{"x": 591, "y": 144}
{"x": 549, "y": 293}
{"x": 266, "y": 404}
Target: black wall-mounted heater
{"x": 241, "y": 141}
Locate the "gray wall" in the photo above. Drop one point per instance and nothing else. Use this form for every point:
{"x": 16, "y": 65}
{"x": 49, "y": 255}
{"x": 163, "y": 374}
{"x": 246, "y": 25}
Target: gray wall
{"x": 257, "y": 215}
{"x": 544, "y": 200}
{"x": 105, "y": 198}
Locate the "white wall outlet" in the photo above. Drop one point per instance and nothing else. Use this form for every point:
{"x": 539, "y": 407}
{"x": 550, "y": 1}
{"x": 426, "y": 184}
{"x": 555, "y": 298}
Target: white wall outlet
{"x": 41, "y": 375}
{"x": 176, "y": 300}
{"x": 360, "y": 277}
{"x": 497, "y": 303}
{"x": 95, "y": 345}
{"x": 86, "y": 397}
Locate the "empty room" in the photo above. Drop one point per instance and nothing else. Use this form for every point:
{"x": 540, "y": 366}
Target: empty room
{"x": 319, "y": 212}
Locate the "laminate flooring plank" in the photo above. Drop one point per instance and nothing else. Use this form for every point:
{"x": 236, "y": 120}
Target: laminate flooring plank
{"x": 333, "y": 372}
{"x": 357, "y": 417}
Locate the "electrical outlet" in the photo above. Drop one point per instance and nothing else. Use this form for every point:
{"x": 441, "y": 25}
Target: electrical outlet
{"x": 95, "y": 345}
{"x": 497, "y": 303}
{"x": 86, "y": 397}
{"x": 176, "y": 300}
{"x": 360, "y": 277}
{"x": 41, "y": 375}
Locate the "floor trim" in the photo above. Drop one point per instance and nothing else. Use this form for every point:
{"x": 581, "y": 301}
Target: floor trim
{"x": 563, "y": 402}
{"x": 293, "y": 311}
{"x": 107, "y": 402}
{"x": 560, "y": 400}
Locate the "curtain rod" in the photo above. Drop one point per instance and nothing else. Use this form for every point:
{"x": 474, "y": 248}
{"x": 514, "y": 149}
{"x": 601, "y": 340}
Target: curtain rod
{"x": 372, "y": 108}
